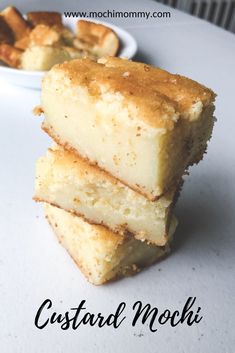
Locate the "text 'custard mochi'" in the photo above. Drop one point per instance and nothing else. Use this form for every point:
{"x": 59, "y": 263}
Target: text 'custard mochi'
{"x": 141, "y": 124}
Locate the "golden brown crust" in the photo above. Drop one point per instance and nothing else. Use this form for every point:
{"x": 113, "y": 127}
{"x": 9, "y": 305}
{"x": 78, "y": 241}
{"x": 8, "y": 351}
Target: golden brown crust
{"x": 6, "y": 34}
{"x": 10, "y": 55}
{"x": 48, "y": 18}
{"x": 19, "y": 26}
{"x": 70, "y": 149}
{"x": 37, "y": 111}
{"x": 93, "y": 34}
{"x": 22, "y": 43}
{"x": 44, "y": 35}
{"x": 161, "y": 98}
{"x": 181, "y": 89}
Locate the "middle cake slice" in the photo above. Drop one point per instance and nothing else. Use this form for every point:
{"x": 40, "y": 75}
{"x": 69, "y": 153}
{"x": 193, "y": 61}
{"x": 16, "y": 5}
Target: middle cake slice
{"x": 67, "y": 181}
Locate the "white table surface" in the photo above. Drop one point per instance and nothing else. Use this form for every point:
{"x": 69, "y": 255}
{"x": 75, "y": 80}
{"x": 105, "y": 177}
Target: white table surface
{"x": 34, "y": 267}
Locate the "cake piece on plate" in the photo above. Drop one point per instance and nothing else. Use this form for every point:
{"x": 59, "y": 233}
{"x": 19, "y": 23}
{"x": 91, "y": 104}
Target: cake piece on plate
{"x": 18, "y": 25}
{"x": 6, "y": 34}
{"x": 48, "y": 18}
{"x": 45, "y": 35}
{"x": 101, "y": 254}
{"x": 51, "y": 36}
{"x": 141, "y": 124}
{"x": 10, "y": 55}
{"x": 69, "y": 182}
{"x": 42, "y": 58}
{"x": 96, "y": 38}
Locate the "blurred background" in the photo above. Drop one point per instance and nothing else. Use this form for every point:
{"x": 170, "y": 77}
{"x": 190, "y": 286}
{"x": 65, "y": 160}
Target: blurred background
{"x": 219, "y": 12}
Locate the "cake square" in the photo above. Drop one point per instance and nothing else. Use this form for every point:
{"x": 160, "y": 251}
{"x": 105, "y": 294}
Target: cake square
{"x": 139, "y": 123}
{"x": 48, "y": 18}
{"x": 17, "y": 23}
{"x": 66, "y": 180}
{"x": 6, "y": 35}
{"x": 42, "y": 58}
{"x": 101, "y": 254}
{"x": 96, "y": 38}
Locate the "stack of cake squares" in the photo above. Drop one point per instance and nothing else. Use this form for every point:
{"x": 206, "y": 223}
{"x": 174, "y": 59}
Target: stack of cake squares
{"x": 124, "y": 134}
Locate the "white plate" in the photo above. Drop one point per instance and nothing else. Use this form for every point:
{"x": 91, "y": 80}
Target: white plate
{"x": 32, "y": 79}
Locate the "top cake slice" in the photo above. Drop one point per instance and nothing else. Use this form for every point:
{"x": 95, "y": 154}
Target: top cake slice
{"x": 141, "y": 124}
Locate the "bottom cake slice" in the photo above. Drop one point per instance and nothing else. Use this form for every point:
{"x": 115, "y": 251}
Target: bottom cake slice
{"x": 99, "y": 253}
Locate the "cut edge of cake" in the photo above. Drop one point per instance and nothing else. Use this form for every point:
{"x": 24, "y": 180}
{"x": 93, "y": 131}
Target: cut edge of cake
{"x": 109, "y": 256}
{"x": 68, "y": 182}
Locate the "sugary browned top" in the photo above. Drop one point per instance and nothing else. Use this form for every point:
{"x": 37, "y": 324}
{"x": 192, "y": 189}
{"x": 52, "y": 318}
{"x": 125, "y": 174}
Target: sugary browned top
{"x": 160, "y": 98}
{"x": 92, "y": 33}
{"x": 48, "y": 18}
